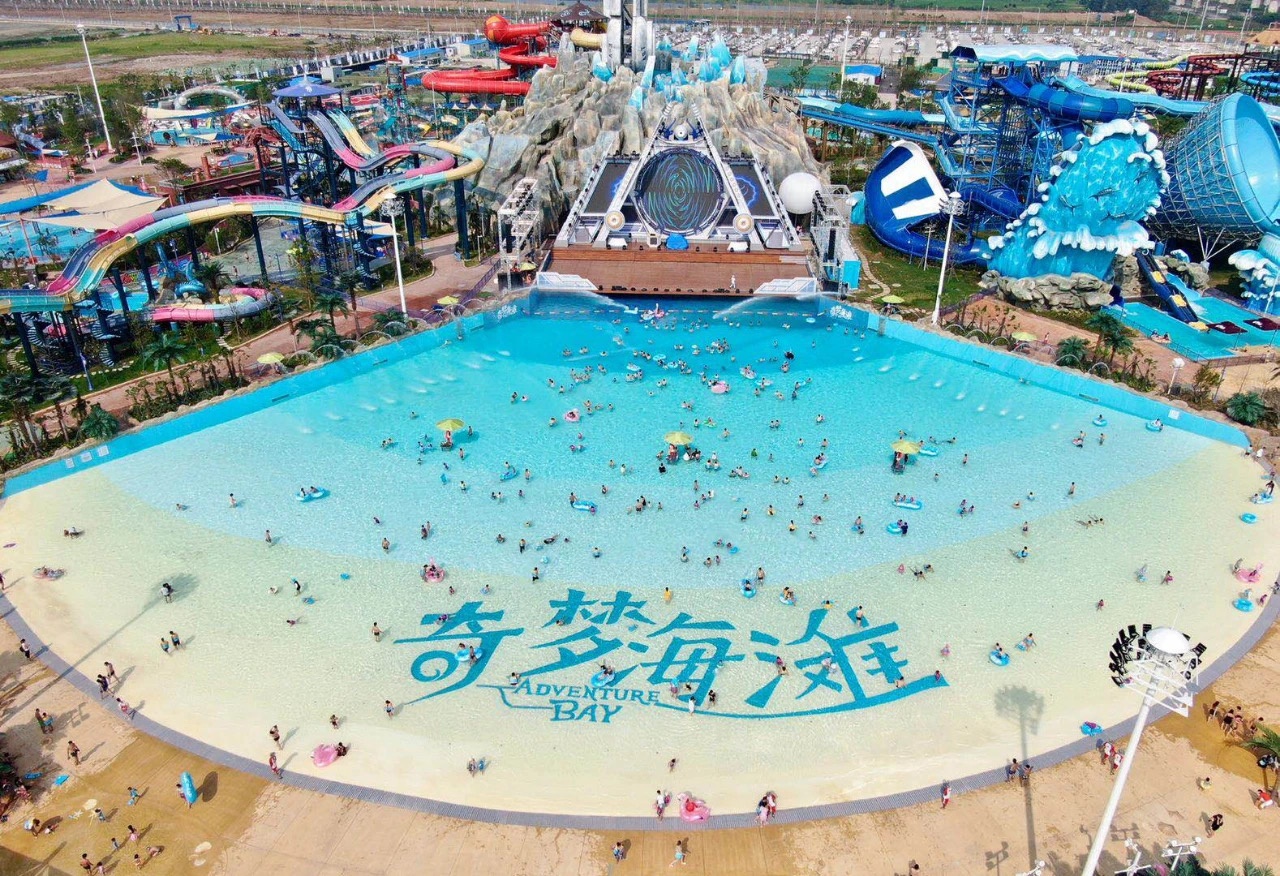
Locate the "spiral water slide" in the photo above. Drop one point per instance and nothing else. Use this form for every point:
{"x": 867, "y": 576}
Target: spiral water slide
{"x": 89, "y": 264}
{"x": 521, "y": 44}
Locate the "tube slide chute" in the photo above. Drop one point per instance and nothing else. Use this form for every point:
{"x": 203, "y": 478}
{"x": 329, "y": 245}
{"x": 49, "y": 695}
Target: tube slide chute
{"x": 88, "y": 265}
{"x": 584, "y": 40}
{"x": 1173, "y": 300}
{"x": 245, "y": 301}
{"x": 1067, "y": 105}
{"x": 351, "y": 132}
{"x": 520, "y": 45}
{"x": 350, "y": 158}
{"x": 903, "y": 191}
{"x": 889, "y": 123}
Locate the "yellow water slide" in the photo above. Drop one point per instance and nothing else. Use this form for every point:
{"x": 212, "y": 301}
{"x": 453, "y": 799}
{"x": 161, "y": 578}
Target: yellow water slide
{"x": 584, "y": 40}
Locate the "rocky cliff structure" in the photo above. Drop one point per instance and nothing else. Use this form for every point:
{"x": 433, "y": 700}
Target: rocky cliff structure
{"x": 571, "y": 119}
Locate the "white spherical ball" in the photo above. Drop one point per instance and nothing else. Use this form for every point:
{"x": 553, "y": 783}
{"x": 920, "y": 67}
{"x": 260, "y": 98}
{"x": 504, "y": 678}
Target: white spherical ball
{"x": 797, "y": 192}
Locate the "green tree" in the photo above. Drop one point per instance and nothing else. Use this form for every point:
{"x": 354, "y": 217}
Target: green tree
{"x": 798, "y": 76}
{"x": 175, "y": 170}
{"x": 326, "y": 343}
{"x": 1207, "y": 379}
{"x": 165, "y": 351}
{"x": 349, "y": 282}
{"x": 391, "y": 321}
{"x": 306, "y": 264}
{"x": 332, "y": 303}
{"x": 99, "y": 425}
{"x": 214, "y": 277}
{"x": 1247, "y": 408}
{"x": 1107, "y": 325}
{"x": 1073, "y": 352}
{"x": 1119, "y": 345}
{"x": 20, "y": 395}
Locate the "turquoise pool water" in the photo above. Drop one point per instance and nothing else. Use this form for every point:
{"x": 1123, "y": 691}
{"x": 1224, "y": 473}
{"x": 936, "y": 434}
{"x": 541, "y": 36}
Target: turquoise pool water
{"x": 1201, "y": 345}
{"x": 866, "y": 388}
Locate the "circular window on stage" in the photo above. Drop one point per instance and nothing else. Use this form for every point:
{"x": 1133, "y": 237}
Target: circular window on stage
{"x": 679, "y": 192}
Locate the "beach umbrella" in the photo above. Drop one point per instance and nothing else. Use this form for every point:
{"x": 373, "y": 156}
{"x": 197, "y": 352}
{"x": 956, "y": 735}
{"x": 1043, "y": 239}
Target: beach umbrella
{"x": 448, "y": 300}
{"x": 271, "y": 358}
{"x": 453, "y": 424}
{"x": 892, "y": 299}
{"x": 902, "y": 445}
{"x": 1024, "y": 336}
{"x": 678, "y": 438}
{"x": 527, "y": 266}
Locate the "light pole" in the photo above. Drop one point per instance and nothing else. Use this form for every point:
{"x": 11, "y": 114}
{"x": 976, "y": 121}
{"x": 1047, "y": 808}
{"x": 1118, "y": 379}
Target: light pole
{"x": 1161, "y": 664}
{"x": 102, "y": 117}
{"x": 393, "y": 209}
{"x": 953, "y": 207}
{"x": 1178, "y": 363}
{"x": 844, "y": 54}
{"x": 1133, "y": 21}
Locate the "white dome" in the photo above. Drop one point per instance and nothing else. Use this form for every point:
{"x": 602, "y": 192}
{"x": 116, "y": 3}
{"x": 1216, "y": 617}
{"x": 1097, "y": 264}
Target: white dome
{"x": 797, "y": 192}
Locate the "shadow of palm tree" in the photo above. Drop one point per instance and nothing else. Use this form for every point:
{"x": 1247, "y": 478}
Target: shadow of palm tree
{"x": 1025, "y": 708}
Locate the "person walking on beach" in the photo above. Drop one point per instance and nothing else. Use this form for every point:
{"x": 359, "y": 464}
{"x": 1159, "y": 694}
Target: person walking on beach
{"x": 946, "y": 794}
{"x": 389, "y": 708}
{"x": 274, "y": 733}
{"x": 680, "y": 855}
{"x": 24, "y": 648}
{"x": 73, "y": 752}
{"x": 111, "y": 672}
{"x": 274, "y": 766}
{"x": 377, "y": 632}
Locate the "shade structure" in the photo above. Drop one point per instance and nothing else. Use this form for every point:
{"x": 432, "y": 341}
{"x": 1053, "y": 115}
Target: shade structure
{"x": 308, "y": 89}
{"x": 271, "y": 358}
{"x": 103, "y": 206}
{"x": 902, "y": 445}
{"x": 448, "y": 300}
{"x": 678, "y": 438}
{"x": 1023, "y": 336}
{"x": 450, "y": 424}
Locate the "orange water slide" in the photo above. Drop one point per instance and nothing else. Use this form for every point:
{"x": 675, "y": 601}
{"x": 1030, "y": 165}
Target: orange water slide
{"x": 523, "y": 46}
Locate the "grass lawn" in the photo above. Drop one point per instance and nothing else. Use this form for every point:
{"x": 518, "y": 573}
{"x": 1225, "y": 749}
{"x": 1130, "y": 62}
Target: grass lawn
{"x": 916, "y": 284}
{"x": 62, "y": 46}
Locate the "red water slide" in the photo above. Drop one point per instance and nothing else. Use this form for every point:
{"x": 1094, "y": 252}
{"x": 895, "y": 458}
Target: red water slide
{"x": 521, "y": 46}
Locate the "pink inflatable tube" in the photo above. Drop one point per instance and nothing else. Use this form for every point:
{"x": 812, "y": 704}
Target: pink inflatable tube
{"x": 691, "y": 808}
{"x": 324, "y": 755}
{"x": 1250, "y": 576}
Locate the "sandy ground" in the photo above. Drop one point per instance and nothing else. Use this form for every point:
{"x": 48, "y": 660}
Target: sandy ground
{"x": 244, "y": 825}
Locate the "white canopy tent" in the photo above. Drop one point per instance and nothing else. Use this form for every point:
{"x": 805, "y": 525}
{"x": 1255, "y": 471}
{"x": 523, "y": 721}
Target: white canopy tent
{"x": 102, "y": 206}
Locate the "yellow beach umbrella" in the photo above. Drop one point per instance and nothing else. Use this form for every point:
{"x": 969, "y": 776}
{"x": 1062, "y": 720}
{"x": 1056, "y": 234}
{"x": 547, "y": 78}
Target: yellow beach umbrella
{"x": 447, "y": 300}
{"x": 893, "y": 299}
{"x": 451, "y": 424}
{"x": 527, "y": 266}
{"x": 271, "y": 358}
{"x": 902, "y": 445}
{"x": 678, "y": 438}
{"x": 1024, "y": 336}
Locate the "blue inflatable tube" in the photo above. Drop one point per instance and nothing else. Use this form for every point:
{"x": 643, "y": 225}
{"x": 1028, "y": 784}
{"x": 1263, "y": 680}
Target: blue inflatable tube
{"x": 188, "y": 788}
{"x": 927, "y": 450}
{"x": 999, "y": 659}
{"x": 1249, "y": 518}
{"x": 1243, "y": 604}
{"x": 583, "y": 505}
{"x": 508, "y": 474}
{"x": 910, "y": 506}
{"x": 311, "y": 497}
{"x": 893, "y": 529}
{"x": 1099, "y": 421}
{"x": 602, "y": 680}
{"x": 748, "y": 591}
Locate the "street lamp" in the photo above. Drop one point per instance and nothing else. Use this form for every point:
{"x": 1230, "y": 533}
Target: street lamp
{"x": 393, "y": 209}
{"x": 953, "y": 207}
{"x": 102, "y": 117}
{"x": 844, "y": 53}
{"x": 1161, "y": 664}
{"x": 1133, "y": 21}
{"x": 1178, "y": 364}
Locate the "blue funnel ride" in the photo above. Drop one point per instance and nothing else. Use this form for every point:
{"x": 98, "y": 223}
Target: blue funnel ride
{"x": 1225, "y": 175}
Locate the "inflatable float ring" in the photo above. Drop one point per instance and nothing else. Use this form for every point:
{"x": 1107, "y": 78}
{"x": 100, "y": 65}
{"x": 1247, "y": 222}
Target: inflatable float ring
{"x": 999, "y": 659}
{"x": 1249, "y": 518}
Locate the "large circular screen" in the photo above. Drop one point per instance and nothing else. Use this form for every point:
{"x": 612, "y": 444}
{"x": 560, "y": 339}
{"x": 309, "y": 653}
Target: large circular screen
{"x": 679, "y": 192}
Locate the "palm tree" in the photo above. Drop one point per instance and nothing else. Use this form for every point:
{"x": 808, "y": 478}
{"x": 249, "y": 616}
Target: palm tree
{"x": 20, "y": 394}
{"x": 1119, "y": 344}
{"x": 1267, "y": 742}
{"x": 99, "y": 425}
{"x": 214, "y": 277}
{"x": 326, "y": 343}
{"x": 1107, "y": 325}
{"x": 164, "y": 352}
{"x": 390, "y": 321}
{"x": 331, "y": 303}
{"x": 1073, "y": 351}
{"x": 349, "y": 281}
{"x": 1247, "y": 408}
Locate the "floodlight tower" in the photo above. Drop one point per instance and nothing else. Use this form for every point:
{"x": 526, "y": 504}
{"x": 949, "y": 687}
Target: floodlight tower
{"x": 1161, "y": 665}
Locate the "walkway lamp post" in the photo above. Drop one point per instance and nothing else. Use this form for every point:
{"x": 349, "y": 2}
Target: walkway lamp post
{"x": 102, "y": 117}
{"x": 953, "y": 206}
{"x": 844, "y": 55}
{"x": 392, "y": 209}
{"x": 1161, "y": 666}
{"x": 1178, "y": 364}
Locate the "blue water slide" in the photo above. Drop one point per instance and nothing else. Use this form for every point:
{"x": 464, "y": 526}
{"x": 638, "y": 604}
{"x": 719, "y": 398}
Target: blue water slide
{"x": 1067, "y": 105}
{"x": 1167, "y": 106}
{"x": 1001, "y": 200}
{"x": 1267, "y": 82}
{"x": 902, "y": 191}
{"x": 886, "y": 122}
{"x": 1172, "y": 299}
{"x": 285, "y": 126}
